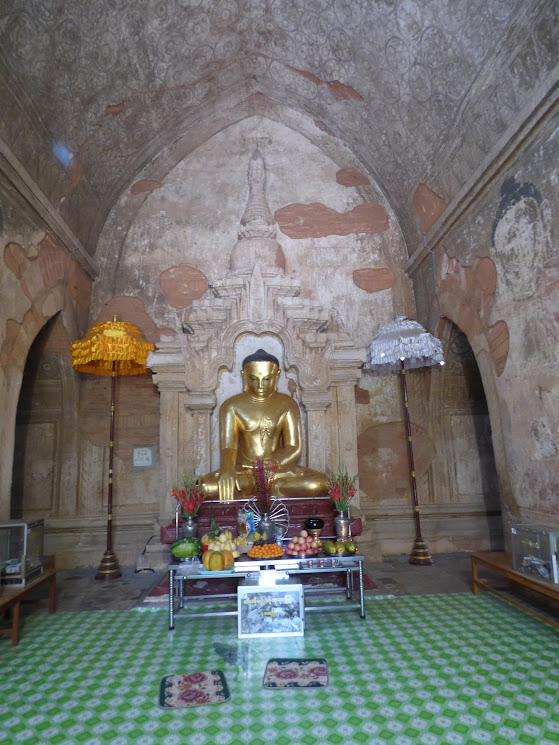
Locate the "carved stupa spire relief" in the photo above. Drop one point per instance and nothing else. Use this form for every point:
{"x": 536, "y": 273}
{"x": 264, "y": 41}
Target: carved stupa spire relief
{"x": 257, "y": 242}
{"x": 257, "y": 298}
{"x": 257, "y": 220}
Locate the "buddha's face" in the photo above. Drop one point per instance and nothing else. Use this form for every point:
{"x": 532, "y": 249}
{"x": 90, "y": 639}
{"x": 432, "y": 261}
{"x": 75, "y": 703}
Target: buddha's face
{"x": 260, "y": 378}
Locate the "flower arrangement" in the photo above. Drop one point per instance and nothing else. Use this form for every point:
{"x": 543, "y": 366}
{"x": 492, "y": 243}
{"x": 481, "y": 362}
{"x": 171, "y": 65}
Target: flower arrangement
{"x": 264, "y": 474}
{"x": 341, "y": 487}
{"x": 189, "y": 495}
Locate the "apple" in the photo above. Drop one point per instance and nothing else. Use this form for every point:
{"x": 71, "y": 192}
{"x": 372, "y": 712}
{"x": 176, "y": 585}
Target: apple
{"x": 294, "y": 539}
{"x": 303, "y": 534}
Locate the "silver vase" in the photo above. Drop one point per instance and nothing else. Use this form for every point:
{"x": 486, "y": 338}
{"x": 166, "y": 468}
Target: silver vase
{"x": 342, "y": 523}
{"x": 189, "y": 527}
{"x": 266, "y": 525}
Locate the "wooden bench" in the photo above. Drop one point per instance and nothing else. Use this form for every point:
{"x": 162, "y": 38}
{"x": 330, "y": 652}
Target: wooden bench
{"x": 501, "y": 563}
{"x": 11, "y": 597}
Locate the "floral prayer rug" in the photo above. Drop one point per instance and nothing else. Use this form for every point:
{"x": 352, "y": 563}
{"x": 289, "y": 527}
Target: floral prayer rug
{"x": 193, "y": 689}
{"x": 296, "y": 673}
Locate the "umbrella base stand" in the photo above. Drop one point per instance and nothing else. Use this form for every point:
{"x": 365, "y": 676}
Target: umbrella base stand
{"x": 420, "y": 554}
{"x": 108, "y": 568}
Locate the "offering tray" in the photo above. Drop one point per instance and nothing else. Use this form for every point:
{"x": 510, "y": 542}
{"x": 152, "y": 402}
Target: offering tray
{"x": 244, "y": 548}
{"x": 337, "y": 553}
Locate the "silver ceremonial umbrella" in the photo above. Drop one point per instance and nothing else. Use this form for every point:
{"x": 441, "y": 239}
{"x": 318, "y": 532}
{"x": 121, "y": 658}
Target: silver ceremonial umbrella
{"x": 396, "y": 347}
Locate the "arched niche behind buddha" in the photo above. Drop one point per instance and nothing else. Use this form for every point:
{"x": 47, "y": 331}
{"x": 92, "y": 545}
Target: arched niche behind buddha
{"x": 256, "y": 304}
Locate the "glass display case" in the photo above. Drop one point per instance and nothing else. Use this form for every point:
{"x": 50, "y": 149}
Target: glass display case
{"x": 21, "y": 551}
{"x": 534, "y": 551}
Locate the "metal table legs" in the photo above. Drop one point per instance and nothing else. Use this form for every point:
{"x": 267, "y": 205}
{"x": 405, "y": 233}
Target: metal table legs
{"x": 361, "y": 591}
{"x": 176, "y": 590}
{"x": 172, "y": 599}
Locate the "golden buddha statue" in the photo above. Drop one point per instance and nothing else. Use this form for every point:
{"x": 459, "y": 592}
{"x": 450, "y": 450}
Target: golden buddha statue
{"x": 261, "y": 423}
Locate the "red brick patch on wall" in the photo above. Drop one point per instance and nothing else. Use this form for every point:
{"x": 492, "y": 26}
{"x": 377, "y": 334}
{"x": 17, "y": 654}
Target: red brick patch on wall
{"x": 132, "y": 310}
{"x": 362, "y": 396}
{"x": 467, "y": 294}
{"x": 182, "y": 284}
{"x": 340, "y": 91}
{"x": 428, "y": 207}
{"x": 317, "y": 220}
{"x": 15, "y": 258}
{"x": 343, "y": 92}
{"x": 382, "y": 453}
{"x": 351, "y": 177}
{"x": 145, "y": 185}
{"x": 114, "y": 108}
{"x": 373, "y": 280}
{"x": 49, "y": 278}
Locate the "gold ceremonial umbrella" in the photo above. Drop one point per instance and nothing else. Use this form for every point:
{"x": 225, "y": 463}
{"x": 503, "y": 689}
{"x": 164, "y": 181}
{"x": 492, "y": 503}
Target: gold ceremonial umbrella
{"x": 111, "y": 348}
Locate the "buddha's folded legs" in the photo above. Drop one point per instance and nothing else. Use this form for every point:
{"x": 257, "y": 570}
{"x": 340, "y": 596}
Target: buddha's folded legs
{"x": 296, "y": 481}
{"x": 290, "y": 481}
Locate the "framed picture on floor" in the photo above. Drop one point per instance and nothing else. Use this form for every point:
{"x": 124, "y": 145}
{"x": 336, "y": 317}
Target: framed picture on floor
{"x": 278, "y": 610}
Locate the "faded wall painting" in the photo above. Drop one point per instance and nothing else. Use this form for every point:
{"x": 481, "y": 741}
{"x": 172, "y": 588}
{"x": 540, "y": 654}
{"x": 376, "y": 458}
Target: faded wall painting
{"x": 515, "y": 229}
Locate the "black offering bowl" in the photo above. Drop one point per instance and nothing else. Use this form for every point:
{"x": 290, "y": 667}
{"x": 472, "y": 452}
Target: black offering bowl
{"x": 314, "y": 525}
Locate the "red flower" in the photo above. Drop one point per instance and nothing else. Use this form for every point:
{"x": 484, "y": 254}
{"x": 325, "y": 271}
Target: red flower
{"x": 188, "y": 495}
{"x": 341, "y": 487}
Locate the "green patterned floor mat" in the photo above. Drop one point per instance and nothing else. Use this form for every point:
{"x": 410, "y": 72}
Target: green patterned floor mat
{"x": 429, "y": 670}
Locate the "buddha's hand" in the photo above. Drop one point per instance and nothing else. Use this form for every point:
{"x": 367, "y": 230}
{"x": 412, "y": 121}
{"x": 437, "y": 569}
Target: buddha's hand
{"x": 226, "y": 487}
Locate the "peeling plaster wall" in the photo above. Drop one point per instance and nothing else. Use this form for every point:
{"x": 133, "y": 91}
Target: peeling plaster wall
{"x": 164, "y": 245}
{"x": 194, "y": 218}
{"x": 498, "y": 279}
{"x": 454, "y": 464}
{"x": 416, "y": 94}
{"x": 37, "y": 279}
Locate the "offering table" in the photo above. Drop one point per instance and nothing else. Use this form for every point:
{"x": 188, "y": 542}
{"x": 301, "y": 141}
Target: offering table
{"x": 290, "y": 565}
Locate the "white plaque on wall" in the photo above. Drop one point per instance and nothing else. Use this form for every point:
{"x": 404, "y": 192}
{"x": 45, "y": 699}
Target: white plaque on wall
{"x": 144, "y": 457}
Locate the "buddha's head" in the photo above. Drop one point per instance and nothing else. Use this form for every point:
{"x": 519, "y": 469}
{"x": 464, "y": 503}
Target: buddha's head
{"x": 260, "y": 374}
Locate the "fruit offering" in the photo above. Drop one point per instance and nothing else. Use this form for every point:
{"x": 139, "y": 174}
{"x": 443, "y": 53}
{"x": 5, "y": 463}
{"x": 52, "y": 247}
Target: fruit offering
{"x": 184, "y": 548}
{"x": 224, "y": 543}
{"x": 217, "y": 561}
{"x": 303, "y": 545}
{"x": 339, "y": 547}
{"x": 266, "y": 551}
{"x": 214, "y": 532}
{"x": 256, "y": 536}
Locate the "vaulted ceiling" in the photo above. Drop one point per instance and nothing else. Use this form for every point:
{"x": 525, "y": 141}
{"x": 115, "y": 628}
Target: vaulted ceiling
{"x": 420, "y": 92}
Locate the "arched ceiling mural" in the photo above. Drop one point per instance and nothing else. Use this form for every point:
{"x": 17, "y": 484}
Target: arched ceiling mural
{"x": 418, "y": 91}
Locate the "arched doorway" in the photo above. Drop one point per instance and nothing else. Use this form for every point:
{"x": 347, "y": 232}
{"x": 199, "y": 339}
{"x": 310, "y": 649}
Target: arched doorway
{"x": 45, "y": 453}
{"x": 467, "y": 472}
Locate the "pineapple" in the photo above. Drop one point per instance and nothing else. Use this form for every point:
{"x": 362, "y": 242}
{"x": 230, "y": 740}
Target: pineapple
{"x": 215, "y": 531}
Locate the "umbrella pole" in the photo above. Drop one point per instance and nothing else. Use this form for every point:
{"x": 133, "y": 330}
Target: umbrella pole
{"x": 420, "y": 553}
{"x": 109, "y": 568}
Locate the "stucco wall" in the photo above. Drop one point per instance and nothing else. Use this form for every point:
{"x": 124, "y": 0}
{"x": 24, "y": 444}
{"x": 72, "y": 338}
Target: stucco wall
{"x": 37, "y": 280}
{"x": 497, "y": 276}
{"x": 168, "y": 239}
{"x": 194, "y": 216}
